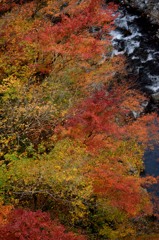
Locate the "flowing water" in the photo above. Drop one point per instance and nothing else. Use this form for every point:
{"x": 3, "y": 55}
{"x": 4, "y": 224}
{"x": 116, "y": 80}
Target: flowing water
{"x": 136, "y": 38}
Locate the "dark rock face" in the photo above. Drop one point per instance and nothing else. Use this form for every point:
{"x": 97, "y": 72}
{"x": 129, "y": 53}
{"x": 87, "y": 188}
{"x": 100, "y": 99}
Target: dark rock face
{"x": 149, "y": 7}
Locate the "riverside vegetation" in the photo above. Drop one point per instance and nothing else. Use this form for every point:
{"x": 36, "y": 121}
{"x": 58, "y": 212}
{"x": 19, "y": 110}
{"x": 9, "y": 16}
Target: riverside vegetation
{"x": 71, "y": 149}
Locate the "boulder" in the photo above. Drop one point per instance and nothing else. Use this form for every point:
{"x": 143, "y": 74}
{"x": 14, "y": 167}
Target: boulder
{"x": 155, "y": 97}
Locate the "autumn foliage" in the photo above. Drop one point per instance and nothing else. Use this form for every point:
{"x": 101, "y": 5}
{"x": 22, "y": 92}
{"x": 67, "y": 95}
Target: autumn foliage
{"x": 125, "y": 192}
{"x": 4, "y": 212}
{"x": 23, "y": 224}
{"x": 73, "y": 129}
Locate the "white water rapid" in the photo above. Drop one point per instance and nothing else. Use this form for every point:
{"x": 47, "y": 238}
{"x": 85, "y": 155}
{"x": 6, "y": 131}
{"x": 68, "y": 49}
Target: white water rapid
{"x": 136, "y": 38}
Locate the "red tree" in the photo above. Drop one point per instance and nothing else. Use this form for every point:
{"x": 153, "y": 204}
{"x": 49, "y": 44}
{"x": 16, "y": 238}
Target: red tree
{"x": 23, "y": 224}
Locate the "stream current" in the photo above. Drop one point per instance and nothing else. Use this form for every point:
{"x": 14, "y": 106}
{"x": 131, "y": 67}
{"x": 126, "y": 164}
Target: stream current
{"x": 135, "y": 37}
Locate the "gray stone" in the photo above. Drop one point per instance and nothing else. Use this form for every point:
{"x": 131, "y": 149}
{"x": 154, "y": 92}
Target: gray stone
{"x": 155, "y": 97}
{"x": 149, "y": 7}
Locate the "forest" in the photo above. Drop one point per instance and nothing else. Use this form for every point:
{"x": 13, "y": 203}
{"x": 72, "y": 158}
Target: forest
{"x": 71, "y": 148}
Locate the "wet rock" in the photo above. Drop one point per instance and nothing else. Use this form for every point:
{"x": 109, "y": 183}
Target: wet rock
{"x": 155, "y": 97}
{"x": 149, "y": 7}
{"x": 133, "y": 171}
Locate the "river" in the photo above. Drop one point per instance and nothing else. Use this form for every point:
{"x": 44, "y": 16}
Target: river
{"x": 136, "y": 38}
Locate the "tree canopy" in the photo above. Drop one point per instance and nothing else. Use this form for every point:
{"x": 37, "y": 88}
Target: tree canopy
{"x": 71, "y": 148}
